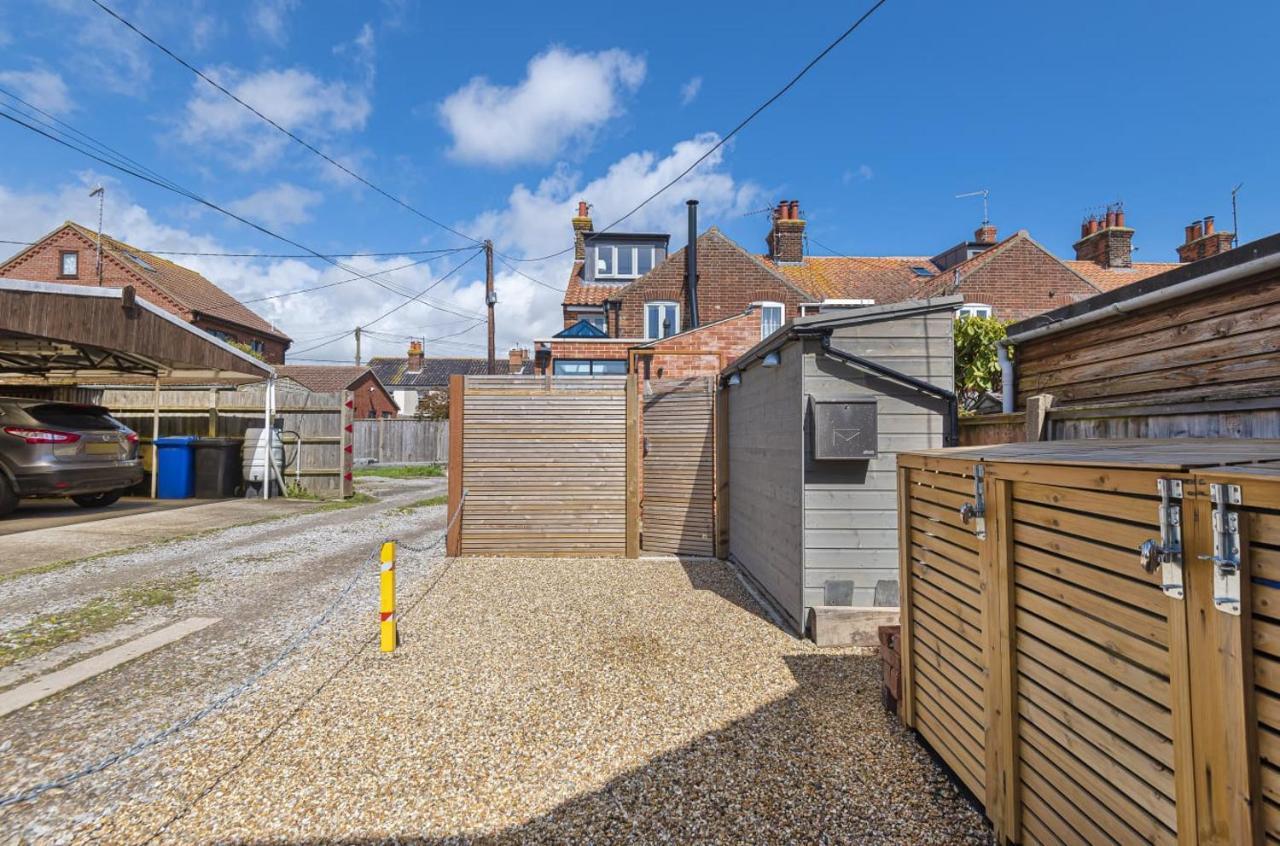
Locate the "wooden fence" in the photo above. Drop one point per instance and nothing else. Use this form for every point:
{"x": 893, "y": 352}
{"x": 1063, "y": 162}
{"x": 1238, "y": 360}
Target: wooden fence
{"x": 316, "y": 423}
{"x": 1078, "y": 695}
{"x": 401, "y": 441}
{"x": 549, "y": 466}
{"x": 679, "y": 478}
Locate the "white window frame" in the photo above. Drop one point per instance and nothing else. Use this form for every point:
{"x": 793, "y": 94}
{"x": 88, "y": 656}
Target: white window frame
{"x": 782, "y": 316}
{"x": 975, "y": 310}
{"x": 74, "y": 255}
{"x": 635, "y": 260}
{"x": 675, "y": 322}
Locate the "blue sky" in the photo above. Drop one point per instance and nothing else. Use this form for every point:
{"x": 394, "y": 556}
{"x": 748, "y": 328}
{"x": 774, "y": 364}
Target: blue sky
{"x": 497, "y": 118}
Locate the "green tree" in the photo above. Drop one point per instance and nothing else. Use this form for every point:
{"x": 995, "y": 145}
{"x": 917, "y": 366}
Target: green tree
{"x": 977, "y": 368}
{"x": 246, "y": 348}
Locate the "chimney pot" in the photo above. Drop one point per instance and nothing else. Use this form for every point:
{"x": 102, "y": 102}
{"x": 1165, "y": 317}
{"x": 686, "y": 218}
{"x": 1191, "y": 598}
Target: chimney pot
{"x": 1111, "y": 219}
{"x": 795, "y": 210}
{"x": 1091, "y": 228}
{"x": 1120, "y": 218}
{"x": 786, "y": 237}
{"x": 1197, "y": 229}
{"x": 1208, "y": 225}
{"x": 583, "y": 208}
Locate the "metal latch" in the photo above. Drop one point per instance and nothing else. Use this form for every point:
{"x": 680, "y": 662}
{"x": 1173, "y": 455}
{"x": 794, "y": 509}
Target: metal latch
{"x": 1167, "y": 555}
{"x": 976, "y": 511}
{"x": 1226, "y": 548}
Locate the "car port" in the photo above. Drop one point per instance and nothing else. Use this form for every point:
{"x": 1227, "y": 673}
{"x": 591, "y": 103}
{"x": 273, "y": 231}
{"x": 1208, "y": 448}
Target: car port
{"x": 56, "y": 341}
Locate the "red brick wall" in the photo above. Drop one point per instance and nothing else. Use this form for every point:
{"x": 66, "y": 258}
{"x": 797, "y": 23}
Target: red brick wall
{"x": 728, "y": 281}
{"x": 1022, "y": 281}
{"x": 376, "y": 400}
{"x": 716, "y": 346}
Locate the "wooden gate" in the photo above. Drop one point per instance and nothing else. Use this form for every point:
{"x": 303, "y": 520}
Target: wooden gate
{"x": 678, "y": 503}
{"x": 1082, "y": 698}
{"x": 544, "y": 465}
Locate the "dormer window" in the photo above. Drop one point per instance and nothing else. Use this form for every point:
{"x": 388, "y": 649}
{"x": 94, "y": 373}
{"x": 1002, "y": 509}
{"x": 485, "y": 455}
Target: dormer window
{"x": 625, "y": 260}
{"x": 69, "y": 264}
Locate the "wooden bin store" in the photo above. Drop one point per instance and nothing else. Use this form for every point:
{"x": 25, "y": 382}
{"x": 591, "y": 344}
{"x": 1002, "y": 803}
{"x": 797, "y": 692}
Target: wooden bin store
{"x": 1091, "y": 635}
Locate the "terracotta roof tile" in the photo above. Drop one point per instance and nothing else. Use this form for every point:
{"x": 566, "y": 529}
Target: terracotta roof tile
{"x": 186, "y": 286}
{"x": 322, "y": 377}
{"x": 1108, "y": 279}
{"x": 885, "y": 279}
{"x": 583, "y": 293}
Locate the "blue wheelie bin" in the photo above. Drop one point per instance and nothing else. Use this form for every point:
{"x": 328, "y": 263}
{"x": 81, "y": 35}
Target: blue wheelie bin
{"x": 175, "y": 466}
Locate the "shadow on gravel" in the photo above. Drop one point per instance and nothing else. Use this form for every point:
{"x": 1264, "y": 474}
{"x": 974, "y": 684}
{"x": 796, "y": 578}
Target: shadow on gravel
{"x": 824, "y": 764}
{"x": 719, "y": 578}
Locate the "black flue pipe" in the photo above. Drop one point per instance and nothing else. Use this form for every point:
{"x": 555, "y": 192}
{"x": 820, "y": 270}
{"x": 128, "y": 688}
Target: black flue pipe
{"x": 691, "y": 264}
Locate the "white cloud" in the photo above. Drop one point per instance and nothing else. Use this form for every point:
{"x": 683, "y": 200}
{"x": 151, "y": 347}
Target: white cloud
{"x": 269, "y": 19}
{"x": 863, "y": 173}
{"x": 293, "y": 98}
{"x": 689, "y": 91}
{"x": 564, "y": 97}
{"x": 363, "y": 52}
{"x": 283, "y": 204}
{"x": 535, "y": 221}
{"x": 41, "y": 88}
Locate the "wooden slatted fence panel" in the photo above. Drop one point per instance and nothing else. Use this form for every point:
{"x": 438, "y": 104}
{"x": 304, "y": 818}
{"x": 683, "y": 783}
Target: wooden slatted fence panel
{"x": 678, "y": 502}
{"x": 947, "y": 642}
{"x": 1095, "y": 701}
{"x": 401, "y": 441}
{"x": 1263, "y": 529}
{"x": 544, "y": 466}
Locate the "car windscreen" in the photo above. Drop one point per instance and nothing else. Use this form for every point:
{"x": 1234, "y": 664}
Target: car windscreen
{"x": 72, "y": 416}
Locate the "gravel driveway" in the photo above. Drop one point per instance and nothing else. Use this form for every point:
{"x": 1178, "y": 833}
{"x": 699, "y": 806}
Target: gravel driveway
{"x": 554, "y": 701}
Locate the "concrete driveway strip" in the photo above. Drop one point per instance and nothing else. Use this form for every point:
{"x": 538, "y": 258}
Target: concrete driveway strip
{"x": 558, "y": 701}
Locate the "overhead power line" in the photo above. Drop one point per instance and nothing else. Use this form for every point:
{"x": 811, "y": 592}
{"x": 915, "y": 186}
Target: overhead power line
{"x": 388, "y": 254}
{"x": 178, "y": 189}
{"x": 725, "y": 138}
{"x": 348, "y": 171}
{"x": 515, "y": 269}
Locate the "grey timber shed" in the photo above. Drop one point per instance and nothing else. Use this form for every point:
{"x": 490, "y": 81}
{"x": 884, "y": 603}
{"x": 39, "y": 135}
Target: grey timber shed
{"x": 817, "y": 413}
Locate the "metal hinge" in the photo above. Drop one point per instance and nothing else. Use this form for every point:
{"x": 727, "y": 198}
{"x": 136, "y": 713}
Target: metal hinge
{"x": 1226, "y": 548}
{"x": 976, "y": 511}
{"x": 1167, "y": 555}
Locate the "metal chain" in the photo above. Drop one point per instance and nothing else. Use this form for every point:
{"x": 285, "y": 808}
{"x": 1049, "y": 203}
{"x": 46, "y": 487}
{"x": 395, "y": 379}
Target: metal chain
{"x": 223, "y": 699}
{"x": 443, "y": 537}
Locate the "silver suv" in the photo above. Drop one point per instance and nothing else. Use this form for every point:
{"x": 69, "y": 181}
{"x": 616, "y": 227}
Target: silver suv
{"x": 64, "y": 449}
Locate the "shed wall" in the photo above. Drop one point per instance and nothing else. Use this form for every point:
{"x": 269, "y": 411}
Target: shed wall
{"x": 765, "y": 464}
{"x": 850, "y": 519}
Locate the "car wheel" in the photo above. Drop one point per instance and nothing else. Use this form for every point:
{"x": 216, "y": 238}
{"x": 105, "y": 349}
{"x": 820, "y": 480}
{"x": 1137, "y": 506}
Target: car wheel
{"x": 98, "y": 500}
{"x": 8, "y": 499}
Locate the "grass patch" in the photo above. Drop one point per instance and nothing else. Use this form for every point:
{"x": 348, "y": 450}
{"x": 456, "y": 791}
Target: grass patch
{"x": 408, "y": 471}
{"x": 422, "y": 503}
{"x": 358, "y": 498}
{"x": 48, "y": 631}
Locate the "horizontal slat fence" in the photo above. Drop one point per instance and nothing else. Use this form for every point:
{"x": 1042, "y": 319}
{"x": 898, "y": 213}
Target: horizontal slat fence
{"x": 224, "y": 412}
{"x": 401, "y": 441}
{"x": 1076, "y": 699}
{"x": 544, "y": 465}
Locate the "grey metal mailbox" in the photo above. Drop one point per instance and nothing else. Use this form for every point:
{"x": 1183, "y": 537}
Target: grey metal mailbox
{"x": 844, "y": 429}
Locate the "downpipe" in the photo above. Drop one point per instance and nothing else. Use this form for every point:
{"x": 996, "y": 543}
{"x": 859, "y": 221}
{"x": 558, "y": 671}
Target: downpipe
{"x": 1006, "y": 376}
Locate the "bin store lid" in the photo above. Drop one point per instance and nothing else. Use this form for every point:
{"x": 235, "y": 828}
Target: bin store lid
{"x": 216, "y": 442}
{"x": 175, "y": 440}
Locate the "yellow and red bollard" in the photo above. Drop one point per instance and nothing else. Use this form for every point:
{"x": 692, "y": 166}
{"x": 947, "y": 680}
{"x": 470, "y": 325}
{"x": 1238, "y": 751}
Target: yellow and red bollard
{"x": 387, "y": 605}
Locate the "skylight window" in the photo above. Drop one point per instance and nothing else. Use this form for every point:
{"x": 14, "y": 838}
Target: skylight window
{"x": 139, "y": 262}
{"x": 921, "y": 271}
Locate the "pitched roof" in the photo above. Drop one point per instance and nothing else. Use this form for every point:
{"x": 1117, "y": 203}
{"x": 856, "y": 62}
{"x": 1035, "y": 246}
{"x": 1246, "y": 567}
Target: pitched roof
{"x": 183, "y": 284}
{"x": 879, "y": 278}
{"x": 582, "y": 329}
{"x": 583, "y": 293}
{"x": 435, "y": 372}
{"x": 1110, "y": 278}
{"x": 323, "y": 377}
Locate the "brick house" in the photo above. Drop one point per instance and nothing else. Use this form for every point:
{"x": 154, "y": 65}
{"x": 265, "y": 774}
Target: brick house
{"x": 627, "y": 294}
{"x": 370, "y": 397}
{"x": 68, "y": 255}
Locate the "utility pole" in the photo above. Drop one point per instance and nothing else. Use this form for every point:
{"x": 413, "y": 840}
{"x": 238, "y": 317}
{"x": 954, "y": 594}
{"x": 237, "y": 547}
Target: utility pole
{"x": 101, "y": 193}
{"x": 490, "y": 297}
{"x": 357, "y": 346}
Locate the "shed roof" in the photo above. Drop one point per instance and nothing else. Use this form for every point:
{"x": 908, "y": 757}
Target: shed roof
{"x": 325, "y": 377}
{"x": 77, "y": 333}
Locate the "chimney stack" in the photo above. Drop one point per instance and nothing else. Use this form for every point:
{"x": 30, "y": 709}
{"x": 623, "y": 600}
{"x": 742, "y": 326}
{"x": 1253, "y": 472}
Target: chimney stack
{"x": 1201, "y": 239}
{"x": 415, "y": 357}
{"x": 786, "y": 236}
{"x": 1105, "y": 240}
{"x": 516, "y": 359}
{"x": 581, "y": 226}
{"x": 985, "y": 234}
